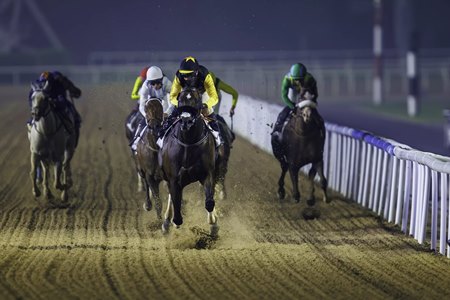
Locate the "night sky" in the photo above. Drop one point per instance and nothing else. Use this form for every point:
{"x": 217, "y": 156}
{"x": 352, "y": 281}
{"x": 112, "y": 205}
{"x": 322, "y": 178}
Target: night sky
{"x": 84, "y": 26}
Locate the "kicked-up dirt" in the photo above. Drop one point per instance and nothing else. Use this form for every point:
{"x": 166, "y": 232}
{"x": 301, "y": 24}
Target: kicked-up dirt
{"x": 103, "y": 245}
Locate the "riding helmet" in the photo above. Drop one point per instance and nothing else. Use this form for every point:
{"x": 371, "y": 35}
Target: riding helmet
{"x": 154, "y": 73}
{"x": 297, "y": 71}
{"x": 188, "y": 65}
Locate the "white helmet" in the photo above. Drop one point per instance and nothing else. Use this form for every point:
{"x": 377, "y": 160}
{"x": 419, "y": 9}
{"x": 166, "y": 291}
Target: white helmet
{"x": 154, "y": 73}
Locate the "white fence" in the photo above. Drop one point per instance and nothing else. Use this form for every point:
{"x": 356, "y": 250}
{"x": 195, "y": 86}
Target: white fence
{"x": 400, "y": 184}
{"x": 339, "y": 76}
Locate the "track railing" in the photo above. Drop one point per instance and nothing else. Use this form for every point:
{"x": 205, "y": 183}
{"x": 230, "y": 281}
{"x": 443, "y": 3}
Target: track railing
{"x": 403, "y": 186}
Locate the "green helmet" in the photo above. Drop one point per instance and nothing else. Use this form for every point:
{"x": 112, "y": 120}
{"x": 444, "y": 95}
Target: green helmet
{"x": 297, "y": 71}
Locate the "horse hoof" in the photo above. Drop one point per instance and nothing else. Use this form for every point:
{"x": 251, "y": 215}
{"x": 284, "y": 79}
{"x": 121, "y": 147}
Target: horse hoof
{"x": 326, "y": 199}
{"x": 165, "y": 226}
{"x": 64, "y": 196}
{"x": 310, "y": 213}
{"x": 36, "y": 193}
{"x": 177, "y": 222}
{"x": 214, "y": 231}
{"x": 311, "y": 202}
{"x": 147, "y": 206}
{"x": 281, "y": 195}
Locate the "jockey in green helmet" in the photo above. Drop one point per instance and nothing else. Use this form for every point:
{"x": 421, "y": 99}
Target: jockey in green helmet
{"x": 298, "y": 82}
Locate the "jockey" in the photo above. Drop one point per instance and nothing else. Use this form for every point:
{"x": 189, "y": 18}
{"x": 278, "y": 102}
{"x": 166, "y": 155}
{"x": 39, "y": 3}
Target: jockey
{"x": 156, "y": 85}
{"x": 57, "y": 87}
{"x": 191, "y": 74}
{"x": 138, "y": 83}
{"x": 297, "y": 82}
{"x": 223, "y": 86}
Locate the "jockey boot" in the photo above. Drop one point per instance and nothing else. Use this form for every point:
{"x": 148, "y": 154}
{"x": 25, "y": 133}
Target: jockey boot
{"x": 278, "y": 128}
{"x": 214, "y": 127}
{"x": 29, "y": 125}
{"x": 168, "y": 122}
{"x": 137, "y": 137}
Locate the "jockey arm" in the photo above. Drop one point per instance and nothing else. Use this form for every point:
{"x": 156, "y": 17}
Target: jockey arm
{"x": 223, "y": 86}
{"x": 167, "y": 87}
{"x": 211, "y": 91}
{"x": 68, "y": 85}
{"x": 285, "y": 85}
{"x": 175, "y": 91}
{"x": 137, "y": 86}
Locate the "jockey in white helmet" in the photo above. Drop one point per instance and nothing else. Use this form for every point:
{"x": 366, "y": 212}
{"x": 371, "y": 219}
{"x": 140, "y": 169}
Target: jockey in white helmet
{"x": 156, "y": 85}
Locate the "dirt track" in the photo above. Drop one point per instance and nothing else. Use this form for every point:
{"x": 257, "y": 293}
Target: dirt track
{"x": 106, "y": 246}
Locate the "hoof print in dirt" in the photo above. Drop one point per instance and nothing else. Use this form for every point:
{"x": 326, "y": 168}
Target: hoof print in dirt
{"x": 310, "y": 213}
{"x": 204, "y": 240}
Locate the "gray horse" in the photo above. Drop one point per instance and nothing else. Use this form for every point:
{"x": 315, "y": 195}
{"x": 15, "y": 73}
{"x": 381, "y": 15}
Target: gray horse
{"x": 50, "y": 145}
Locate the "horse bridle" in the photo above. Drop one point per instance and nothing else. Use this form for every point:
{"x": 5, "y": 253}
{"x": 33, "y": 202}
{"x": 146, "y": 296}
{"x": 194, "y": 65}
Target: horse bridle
{"x": 47, "y": 112}
{"x": 199, "y": 142}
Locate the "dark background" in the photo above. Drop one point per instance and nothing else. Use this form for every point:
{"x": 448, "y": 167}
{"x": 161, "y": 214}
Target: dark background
{"x": 85, "y": 26}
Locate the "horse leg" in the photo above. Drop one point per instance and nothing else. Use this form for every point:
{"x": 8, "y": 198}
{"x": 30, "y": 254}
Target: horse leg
{"x": 293, "y": 171}
{"x": 148, "y": 203}
{"x": 45, "y": 175}
{"x": 323, "y": 182}
{"x": 176, "y": 195}
{"x": 33, "y": 174}
{"x": 67, "y": 169}
{"x": 154, "y": 187}
{"x": 312, "y": 173}
{"x": 58, "y": 171}
{"x": 281, "y": 190}
{"x": 141, "y": 183}
{"x": 168, "y": 215}
{"x": 210, "y": 205}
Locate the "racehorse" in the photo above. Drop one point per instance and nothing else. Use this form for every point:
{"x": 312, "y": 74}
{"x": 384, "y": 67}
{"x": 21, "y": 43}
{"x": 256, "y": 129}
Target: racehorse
{"x": 131, "y": 124}
{"x": 147, "y": 154}
{"x": 50, "y": 144}
{"x": 302, "y": 142}
{"x": 188, "y": 155}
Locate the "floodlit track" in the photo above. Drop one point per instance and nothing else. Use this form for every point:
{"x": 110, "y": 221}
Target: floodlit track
{"x": 104, "y": 245}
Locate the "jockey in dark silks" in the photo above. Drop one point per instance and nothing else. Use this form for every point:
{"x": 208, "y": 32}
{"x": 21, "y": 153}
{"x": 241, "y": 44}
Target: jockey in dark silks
{"x": 57, "y": 87}
{"x": 193, "y": 75}
{"x": 299, "y": 82}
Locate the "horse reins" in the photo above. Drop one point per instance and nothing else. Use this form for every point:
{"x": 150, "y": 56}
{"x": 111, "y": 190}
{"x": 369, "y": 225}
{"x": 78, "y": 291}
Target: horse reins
{"x": 56, "y": 130}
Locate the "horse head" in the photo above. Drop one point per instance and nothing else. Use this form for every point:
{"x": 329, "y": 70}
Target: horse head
{"x": 189, "y": 104}
{"x": 305, "y": 110}
{"x": 153, "y": 112}
{"x": 39, "y": 100}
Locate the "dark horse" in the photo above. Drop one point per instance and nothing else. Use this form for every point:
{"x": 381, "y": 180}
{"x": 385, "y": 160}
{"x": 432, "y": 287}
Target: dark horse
{"x": 147, "y": 154}
{"x": 302, "y": 143}
{"x": 188, "y": 155}
{"x": 131, "y": 124}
